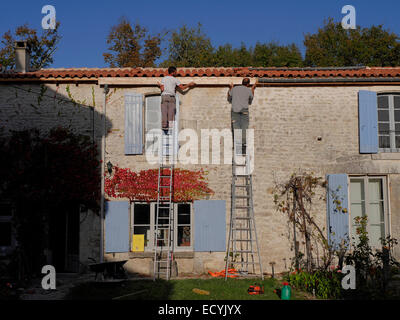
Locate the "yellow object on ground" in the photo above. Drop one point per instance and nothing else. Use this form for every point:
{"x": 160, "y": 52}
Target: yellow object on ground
{"x": 138, "y": 243}
{"x": 199, "y": 291}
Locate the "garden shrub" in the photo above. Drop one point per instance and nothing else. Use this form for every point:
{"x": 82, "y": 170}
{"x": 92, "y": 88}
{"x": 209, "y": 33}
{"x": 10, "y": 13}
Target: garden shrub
{"x": 323, "y": 283}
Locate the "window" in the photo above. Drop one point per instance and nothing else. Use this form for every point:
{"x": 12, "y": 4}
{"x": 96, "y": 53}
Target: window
{"x": 368, "y": 197}
{"x": 6, "y": 229}
{"x": 141, "y": 221}
{"x": 144, "y": 217}
{"x": 389, "y": 122}
{"x": 153, "y": 121}
{"x": 183, "y": 222}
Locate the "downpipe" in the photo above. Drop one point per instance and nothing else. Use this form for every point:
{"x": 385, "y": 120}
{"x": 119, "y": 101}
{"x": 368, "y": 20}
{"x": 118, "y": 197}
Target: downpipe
{"x": 103, "y": 154}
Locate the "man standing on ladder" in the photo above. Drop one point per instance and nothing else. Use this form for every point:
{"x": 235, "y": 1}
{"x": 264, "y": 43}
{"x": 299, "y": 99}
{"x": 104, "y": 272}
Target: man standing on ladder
{"x": 168, "y": 102}
{"x": 241, "y": 97}
{"x": 164, "y": 230}
{"x": 243, "y": 249}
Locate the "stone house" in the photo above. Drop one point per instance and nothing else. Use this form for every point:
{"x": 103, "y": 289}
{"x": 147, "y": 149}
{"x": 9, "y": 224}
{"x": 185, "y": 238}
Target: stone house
{"x": 339, "y": 123}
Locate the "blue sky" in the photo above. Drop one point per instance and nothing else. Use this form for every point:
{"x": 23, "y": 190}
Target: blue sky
{"x": 86, "y": 23}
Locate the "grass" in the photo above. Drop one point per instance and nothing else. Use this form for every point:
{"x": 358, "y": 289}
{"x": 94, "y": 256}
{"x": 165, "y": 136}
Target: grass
{"x": 181, "y": 289}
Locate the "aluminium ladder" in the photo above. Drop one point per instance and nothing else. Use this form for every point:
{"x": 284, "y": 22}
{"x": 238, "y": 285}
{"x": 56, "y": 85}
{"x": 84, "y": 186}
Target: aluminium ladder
{"x": 243, "y": 252}
{"x": 164, "y": 224}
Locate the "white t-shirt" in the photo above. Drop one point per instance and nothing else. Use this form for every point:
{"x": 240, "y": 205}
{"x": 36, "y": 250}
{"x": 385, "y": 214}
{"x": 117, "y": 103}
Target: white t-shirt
{"x": 169, "y": 84}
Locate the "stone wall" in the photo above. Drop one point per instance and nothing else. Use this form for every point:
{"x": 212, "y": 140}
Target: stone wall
{"x": 298, "y": 128}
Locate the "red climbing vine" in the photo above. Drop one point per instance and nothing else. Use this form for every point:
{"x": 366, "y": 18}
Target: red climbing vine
{"x": 142, "y": 186}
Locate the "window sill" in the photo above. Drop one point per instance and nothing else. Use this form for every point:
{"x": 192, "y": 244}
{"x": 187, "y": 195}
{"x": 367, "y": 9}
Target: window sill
{"x": 386, "y": 156}
{"x": 149, "y": 254}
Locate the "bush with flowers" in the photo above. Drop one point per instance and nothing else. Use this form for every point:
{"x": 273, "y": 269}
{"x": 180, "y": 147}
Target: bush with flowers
{"x": 374, "y": 268}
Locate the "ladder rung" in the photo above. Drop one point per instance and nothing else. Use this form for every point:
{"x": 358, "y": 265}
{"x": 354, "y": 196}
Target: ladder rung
{"x": 243, "y": 240}
{"x": 165, "y": 177}
{"x": 242, "y": 185}
{"x": 244, "y": 251}
{"x": 241, "y": 229}
{"x": 242, "y": 218}
{"x": 244, "y": 262}
{"x": 165, "y": 186}
{"x": 242, "y": 207}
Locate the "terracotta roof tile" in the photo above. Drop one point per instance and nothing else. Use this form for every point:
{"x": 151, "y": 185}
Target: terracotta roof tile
{"x": 79, "y": 73}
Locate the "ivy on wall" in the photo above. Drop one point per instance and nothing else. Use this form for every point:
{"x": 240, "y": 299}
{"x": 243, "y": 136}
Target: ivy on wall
{"x": 188, "y": 185}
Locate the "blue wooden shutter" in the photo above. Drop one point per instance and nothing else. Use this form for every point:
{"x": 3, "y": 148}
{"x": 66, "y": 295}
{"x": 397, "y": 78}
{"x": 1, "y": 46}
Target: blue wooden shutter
{"x": 368, "y": 121}
{"x": 209, "y": 225}
{"x": 117, "y": 226}
{"x": 133, "y": 123}
{"x": 338, "y": 221}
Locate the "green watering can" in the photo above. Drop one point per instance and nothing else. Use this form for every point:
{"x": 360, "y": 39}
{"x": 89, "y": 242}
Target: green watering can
{"x": 286, "y": 291}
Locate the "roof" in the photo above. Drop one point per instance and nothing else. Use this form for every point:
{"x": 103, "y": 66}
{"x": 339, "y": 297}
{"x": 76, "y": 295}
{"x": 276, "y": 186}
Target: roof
{"x": 272, "y": 73}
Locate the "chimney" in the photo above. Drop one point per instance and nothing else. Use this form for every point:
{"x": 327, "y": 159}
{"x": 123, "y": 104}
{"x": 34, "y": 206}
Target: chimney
{"x": 22, "y": 56}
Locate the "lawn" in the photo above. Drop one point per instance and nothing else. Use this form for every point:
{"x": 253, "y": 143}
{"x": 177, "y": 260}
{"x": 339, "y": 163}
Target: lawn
{"x": 180, "y": 289}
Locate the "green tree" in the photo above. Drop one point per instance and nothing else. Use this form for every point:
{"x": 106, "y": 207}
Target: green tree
{"x": 189, "y": 47}
{"x": 334, "y": 46}
{"x": 131, "y": 46}
{"x": 262, "y": 55}
{"x": 275, "y": 55}
{"x": 42, "y": 47}
{"x": 227, "y": 56}
{"x": 242, "y": 56}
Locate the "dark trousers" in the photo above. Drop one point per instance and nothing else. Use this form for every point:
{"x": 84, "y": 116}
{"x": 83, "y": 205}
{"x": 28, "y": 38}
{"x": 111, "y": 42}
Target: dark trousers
{"x": 240, "y": 120}
{"x": 168, "y": 106}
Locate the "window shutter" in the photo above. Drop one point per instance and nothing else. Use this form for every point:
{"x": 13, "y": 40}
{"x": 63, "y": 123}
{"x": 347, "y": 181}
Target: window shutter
{"x": 209, "y": 225}
{"x": 338, "y": 221}
{"x": 153, "y": 120}
{"x": 117, "y": 226}
{"x": 133, "y": 123}
{"x": 368, "y": 121}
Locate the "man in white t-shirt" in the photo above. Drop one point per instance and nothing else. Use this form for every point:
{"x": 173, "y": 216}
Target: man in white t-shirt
{"x": 168, "y": 102}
